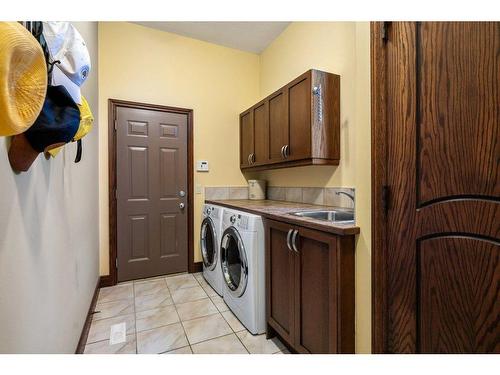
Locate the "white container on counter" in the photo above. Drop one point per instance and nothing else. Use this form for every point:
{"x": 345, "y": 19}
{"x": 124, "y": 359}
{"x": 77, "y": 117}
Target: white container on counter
{"x": 256, "y": 189}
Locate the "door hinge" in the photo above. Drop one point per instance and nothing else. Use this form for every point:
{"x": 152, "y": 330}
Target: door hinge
{"x": 385, "y": 31}
{"x": 385, "y": 199}
{"x": 115, "y": 124}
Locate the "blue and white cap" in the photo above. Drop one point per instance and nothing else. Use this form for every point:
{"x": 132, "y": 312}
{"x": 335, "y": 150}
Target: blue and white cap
{"x": 67, "y": 45}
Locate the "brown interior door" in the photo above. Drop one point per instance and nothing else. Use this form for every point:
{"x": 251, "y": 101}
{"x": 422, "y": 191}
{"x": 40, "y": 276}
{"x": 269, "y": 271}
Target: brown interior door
{"x": 278, "y": 126}
{"x": 280, "y": 279}
{"x": 152, "y": 222}
{"x": 443, "y": 175}
{"x": 299, "y": 117}
{"x": 246, "y": 138}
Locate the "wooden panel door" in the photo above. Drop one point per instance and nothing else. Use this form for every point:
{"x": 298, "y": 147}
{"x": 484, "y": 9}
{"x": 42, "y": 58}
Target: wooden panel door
{"x": 261, "y": 134}
{"x": 315, "y": 292}
{"x": 151, "y": 161}
{"x": 280, "y": 280}
{"x": 299, "y": 117}
{"x": 443, "y": 177}
{"x": 246, "y": 138}
{"x": 278, "y": 126}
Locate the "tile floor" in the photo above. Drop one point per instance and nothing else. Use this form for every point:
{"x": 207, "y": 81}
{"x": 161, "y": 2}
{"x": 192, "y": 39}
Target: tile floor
{"x": 178, "y": 314}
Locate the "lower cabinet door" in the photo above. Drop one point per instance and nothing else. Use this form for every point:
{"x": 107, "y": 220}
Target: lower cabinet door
{"x": 280, "y": 281}
{"x": 315, "y": 292}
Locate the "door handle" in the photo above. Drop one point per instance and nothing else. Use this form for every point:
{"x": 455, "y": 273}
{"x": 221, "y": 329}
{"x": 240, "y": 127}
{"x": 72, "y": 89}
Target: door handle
{"x": 288, "y": 239}
{"x": 182, "y": 193}
{"x": 182, "y": 205}
{"x": 294, "y": 240}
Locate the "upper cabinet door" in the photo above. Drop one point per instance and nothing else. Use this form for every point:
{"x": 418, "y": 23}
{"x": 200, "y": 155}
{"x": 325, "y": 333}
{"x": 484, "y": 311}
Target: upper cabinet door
{"x": 261, "y": 131}
{"x": 246, "y": 138}
{"x": 299, "y": 117}
{"x": 278, "y": 126}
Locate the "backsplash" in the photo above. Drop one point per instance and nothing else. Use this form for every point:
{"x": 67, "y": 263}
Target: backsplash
{"x": 313, "y": 195}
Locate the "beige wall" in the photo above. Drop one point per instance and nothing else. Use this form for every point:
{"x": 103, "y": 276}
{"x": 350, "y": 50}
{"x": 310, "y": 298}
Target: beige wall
{"x": 145, "y": 65}
{"x": 49, "y": 258}
{"x": 344, "y": 49}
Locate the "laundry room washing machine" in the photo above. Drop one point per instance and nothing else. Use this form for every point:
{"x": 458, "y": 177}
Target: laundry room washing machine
{"x": 242, "y": 261}
{"x": 210, "y": 235}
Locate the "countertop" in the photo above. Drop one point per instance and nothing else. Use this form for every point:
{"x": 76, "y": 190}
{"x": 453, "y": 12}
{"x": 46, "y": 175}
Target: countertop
{"x": 280, "y": 210}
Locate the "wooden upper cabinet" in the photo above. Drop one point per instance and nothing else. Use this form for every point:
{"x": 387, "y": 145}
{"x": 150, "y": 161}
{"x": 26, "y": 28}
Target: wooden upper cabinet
{"x": 299, "y": 124}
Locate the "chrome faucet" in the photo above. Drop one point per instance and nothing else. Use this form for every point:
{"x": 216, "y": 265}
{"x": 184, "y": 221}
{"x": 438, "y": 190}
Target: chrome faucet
{"x": 346, "y": 194}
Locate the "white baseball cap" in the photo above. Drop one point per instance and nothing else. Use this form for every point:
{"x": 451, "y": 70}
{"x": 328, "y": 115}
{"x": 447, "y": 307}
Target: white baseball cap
{"x": 65, "y": 44}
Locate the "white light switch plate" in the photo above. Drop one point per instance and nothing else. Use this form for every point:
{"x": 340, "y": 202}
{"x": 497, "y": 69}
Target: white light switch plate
{"x": 202, "y": 166}
{"x": 118, "y": 333}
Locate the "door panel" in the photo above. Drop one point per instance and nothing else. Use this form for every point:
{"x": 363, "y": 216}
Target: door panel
{"x": 443, "y": 227}
{"x": 280, "y": 280}
{"x": 278, "y": 125}
{"x": 316, "y": 293}
{"x": 459, "y": 278}
{"x": 151, "y": 170}
{"x": 299, "y": 117}
{"x": 246, "y": 137}
{"x": 458, "y": 110}
{"x": 261, "y": 133}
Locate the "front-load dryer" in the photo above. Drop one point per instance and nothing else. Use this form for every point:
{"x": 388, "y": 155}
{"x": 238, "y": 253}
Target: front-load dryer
{"x": 210, "y": 236}
{"x": 242, "y": 262}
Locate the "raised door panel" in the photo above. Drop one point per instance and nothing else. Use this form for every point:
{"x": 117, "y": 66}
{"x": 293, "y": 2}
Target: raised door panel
{"x": 279, "y": 280}
{"x": 246, "y": 138}
{"x": 458, "y": 111}
{"x": 261, "y": 134}
{"x": 458, "y": 287}
{"x": 315, "y": 293}
{"x": 299, "y": 117}
{"x": 278, "y": 126}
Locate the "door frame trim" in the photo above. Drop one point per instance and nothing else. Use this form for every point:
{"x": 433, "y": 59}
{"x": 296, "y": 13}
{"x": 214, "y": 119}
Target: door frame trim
{"x": 378, "y": 67}
{"x": 113, "y": 104}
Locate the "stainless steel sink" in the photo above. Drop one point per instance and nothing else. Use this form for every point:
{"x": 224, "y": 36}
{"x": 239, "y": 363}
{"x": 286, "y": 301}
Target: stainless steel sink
{"x": 335, "y": 216}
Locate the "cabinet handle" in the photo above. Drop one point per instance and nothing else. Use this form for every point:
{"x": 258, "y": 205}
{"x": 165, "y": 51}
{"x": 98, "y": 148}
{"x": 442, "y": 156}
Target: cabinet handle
{"x": 253, "y": 158}
{"x": 294, "y": 240}
{"x": 285, "y": 151}
{"x": 288, "y": 239}
{"x": 319, "y": 108}
{"x": 248, "y": 159}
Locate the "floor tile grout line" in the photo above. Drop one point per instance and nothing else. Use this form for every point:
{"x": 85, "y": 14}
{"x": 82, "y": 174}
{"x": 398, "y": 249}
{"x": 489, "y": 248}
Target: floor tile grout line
{"x": 234, "y": 332}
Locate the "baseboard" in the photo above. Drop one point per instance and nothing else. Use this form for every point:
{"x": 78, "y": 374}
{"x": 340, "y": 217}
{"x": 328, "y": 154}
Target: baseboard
{"x": 106, "y": 280}
{"x": 196, "y": 267}
{"x": 86, "y": 327}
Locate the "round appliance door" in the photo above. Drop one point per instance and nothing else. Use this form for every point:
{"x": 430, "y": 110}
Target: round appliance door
{"x": 209, "y": 246}
{"x": 234, "y": 262}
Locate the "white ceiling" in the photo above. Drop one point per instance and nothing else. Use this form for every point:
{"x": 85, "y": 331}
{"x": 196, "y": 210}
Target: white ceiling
{"x": 246, "y": 36}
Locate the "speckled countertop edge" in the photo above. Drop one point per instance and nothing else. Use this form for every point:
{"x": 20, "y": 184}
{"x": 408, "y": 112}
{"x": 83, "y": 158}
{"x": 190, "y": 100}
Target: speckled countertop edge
{"x": 280, "y": 210}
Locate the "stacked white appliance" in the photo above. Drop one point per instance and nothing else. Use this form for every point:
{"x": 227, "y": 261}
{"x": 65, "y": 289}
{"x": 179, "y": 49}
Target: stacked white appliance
{"x": 210, "y": 236}
{"x": 242, "y": 261}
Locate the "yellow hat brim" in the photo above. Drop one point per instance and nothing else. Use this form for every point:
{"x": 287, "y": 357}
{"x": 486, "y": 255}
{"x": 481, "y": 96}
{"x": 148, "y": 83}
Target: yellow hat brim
{"x": 23, "y": 78}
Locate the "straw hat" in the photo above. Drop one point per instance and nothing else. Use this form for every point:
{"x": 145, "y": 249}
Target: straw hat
{"x": 23, "y": 78}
